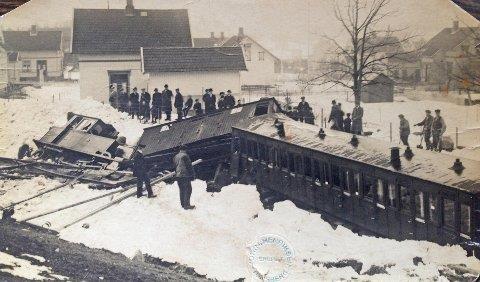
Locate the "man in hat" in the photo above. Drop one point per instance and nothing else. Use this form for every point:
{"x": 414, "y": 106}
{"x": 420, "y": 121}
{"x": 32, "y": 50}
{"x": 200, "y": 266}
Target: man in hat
{"x": 140, "y": 171}
{"x": 347, "y": 123}
{"x": 438, "y": 129}
{"x": 184, "y": 174}
{"x": 210, "y": 101}
{"x": 134, "y": 103}
{"x": 229, "y": 100}
{"x": 178, "y": 104}
{"x": 221, "y": 101}
{"x": 427, "y": 128}
{"x": 167, "y": 102}
{"x": 145, "y": 105}
{"x": 333, "y": 115}
{"x": 357, "y": 116}
{"x": 197, "y": 107}
{"x": 156, "y": 105}
{"x": 404, "y": 129}
{"x": 303, "y": 109}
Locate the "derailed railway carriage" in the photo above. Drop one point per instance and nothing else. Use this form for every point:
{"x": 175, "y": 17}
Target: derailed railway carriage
{"x": 361, "y": 181}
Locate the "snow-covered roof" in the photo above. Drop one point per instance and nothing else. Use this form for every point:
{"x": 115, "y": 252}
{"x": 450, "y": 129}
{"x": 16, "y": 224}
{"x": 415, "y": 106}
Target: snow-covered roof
{"x": 24, "y": 41}
{"x": 426, "y": 165}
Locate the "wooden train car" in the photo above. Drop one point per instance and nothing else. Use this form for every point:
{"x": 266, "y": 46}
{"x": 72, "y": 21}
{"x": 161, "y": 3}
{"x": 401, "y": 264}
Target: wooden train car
{"x": 207, "y": 137}
{"x": 361, "y": 181}
{"x": 83, "y": 138}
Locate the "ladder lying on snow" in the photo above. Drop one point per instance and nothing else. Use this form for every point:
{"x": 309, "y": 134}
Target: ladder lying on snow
{"x": 162, "y": 177}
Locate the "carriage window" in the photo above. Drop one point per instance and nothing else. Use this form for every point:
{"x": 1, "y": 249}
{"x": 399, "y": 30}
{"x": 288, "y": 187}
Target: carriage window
{"x": 243, "y": 145}
{"x": 381, "y": 190}
{"x": 392, "y": 195}
{"x": 369, "y": 186}
{"x": 357, "y": 182}
{"x": 404, "y": 198}
{"x": 348, "y": 181}
{"x": 291, "y": 162}
{"x": 283, "y": 160}
{"x": 419, "y": 205}
{"x": 274, "y": 157}
{"x": 432, "y": 203}
{"x": 298, "y": 164}
{"x": 449, "y": 213}
{"x": 326, "y": 174}
{"x": 336, "y": 175}
{"x": 465, "y": 219}
{"x": 308, "y": 166}
{"x": 263, "y": 152}
{"x": 255, "y": 150}
{"x": 317, "y": 174}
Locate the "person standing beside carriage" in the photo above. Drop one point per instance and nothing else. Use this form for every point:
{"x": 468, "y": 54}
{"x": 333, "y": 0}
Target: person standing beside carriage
{"x": 156, "y": 105}
{"x": 184, "y": 174}
{"x": 438, "y": 129}
{"x": 427, "y": 128}
{"x": 167, "y": 102}
{"x": 188, "y": 106}
{"x": 210, "y": 101}
{"x": 134, "y": 103}
{"x": 145, "y": 105}
{"x": 178, "y": 104}
{"x": 140, "y": 171}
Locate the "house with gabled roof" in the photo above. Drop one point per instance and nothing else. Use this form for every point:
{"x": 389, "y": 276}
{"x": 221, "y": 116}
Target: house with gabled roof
{"x": 446, "y": 53}
{"x": 262, "y": 65}
{"x": 108, "y": 43}
{"x": 40, "y": 53}
{"x": 193, "y": 69}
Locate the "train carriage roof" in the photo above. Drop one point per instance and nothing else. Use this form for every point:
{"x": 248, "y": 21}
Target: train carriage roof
{"x": 427, "y": 165}
{"x": 161, "y": 138}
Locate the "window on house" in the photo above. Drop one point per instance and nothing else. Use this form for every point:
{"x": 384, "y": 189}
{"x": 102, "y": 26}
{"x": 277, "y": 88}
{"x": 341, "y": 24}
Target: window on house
{"x": 419, "y": 205}
{"x": 432, "y": 208}
{"x": 449, "y": 213}
{"x": 369, "y": 186}
{"x": 465, "y": 219}
{"x": 405, "y": 198}
{"x": 392, "y": 195}
{"x": 26, "y": 65}
{"x": 248, "y": 52}
{"x": 261, "y": 56}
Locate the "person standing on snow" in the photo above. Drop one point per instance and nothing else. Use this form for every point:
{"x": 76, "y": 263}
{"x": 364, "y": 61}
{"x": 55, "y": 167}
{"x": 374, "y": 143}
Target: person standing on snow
{"x": 339, "y": 117}
{"x": 145, "y": 105}
{"x": 404, "y": 129}
{"x": 347, "y": 123}
{"x": 184, "y": 174}
{"x": 156, "y": 105}
{"x": 357, "y": 115}
{"x": 134, "y": 103}
{"x": 303, "y": 109}
{"x": 427, "y": 128}
{"x": 122, "y": 100}
{"x": 178, "y": 104}
{"x": 140, "y": 171}
{"x": 333, "y": 115}
{"x": 229, "y": 100}
{"x": 438, "y": 129}
{"x": 113, "y": 97}
{"x": 167, "y": 102}
{"x": 197, "y": 107}
{"x": 188, "y": 106}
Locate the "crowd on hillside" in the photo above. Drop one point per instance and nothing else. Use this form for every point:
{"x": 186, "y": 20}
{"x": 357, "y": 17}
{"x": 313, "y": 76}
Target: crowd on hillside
{"x": 151, "y": 108}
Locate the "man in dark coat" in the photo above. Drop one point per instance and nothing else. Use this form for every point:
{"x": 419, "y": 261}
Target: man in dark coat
{"x": 357, "y": 116}
{"x": 339, "y": 117}
{"x": 113, "y": 97}
{"x": 347, "y": 123}
{"x": 427, "y": 128}
{"x": 156, "y": 106}
{"x": 140, "y": 171}
{"x": 438, "y": 129}
{"x": 333, "y": 115}
{"x": 178, "y": 104}
{"x": 145, "y": 105}
{"x": 167, "y": 102}
{"x": 404, "y": 129}
{"x": 229, "y": 100}
{"x": 134, "y": 103}
{"x": 210, "y": 101}
{"x": 188, "y": 105}
{"x": 184, "y": 174}
{"x": 122, "y": 100}
{"x": 303, "y": 109}
{"x": 197, "y": 107}
{"x": 221, "y": 102}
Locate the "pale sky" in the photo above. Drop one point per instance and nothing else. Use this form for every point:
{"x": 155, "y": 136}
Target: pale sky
{"x": 280, "y": 25}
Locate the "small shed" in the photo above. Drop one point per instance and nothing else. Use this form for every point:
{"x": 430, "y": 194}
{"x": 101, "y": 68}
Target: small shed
{"x": 378, "y": 90}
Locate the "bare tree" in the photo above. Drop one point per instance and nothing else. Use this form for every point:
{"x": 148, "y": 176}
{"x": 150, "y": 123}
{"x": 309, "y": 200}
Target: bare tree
{"x": 370, "y": 48}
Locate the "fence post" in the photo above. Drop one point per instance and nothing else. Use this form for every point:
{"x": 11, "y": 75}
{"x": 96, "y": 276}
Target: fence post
{"x": 53, "y": 98}
{"x": 456, "y": 137}
{"x": 391, "y": 133}
{"x": 322, "y": 118}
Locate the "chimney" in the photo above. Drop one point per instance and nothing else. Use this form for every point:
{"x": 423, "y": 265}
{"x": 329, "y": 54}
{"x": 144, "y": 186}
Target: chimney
{"x": 458, "y": 167}
{"x": 212, "y": 34}
{"x": 395, "y": 157}
{"x": 222, "y": 35}
{"x": 455, "y": 26}
{"x": 33, "y": 30}
{"x": 129, "y": 9}
{"x": 240, "y": 32}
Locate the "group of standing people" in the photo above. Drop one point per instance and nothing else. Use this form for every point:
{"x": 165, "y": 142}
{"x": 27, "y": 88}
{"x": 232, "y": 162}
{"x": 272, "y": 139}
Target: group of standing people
{"x": 433, "y": 129}
{"x": 148, "y": 107}
{"x": 352, "y": 123}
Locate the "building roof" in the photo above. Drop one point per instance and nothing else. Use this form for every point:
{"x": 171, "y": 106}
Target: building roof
{"x": 427, "y": 165}
{"x": 162, "y": 138}
{"x": 208, "y": 42}
{"x": 22, "y": 41}
{"x": 192, "y": 59}
{"x": 99, "y": 31}
{"x": 448, "y": 39}
{"x": 381, "y": 79}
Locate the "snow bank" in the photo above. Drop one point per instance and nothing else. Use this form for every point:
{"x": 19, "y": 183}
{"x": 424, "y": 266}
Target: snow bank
{"x": 23, "y": 268}
{"x": 214, "y": 237}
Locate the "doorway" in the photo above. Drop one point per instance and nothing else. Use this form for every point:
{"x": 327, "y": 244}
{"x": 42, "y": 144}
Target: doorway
{"x": 120, "y": 79}
{"x": 42, "y": 70}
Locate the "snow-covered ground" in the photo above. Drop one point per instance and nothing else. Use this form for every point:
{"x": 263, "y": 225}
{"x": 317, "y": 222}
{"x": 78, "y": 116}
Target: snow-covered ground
{"x": 23, "y": 267}
{"x": 212, "y": 238}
